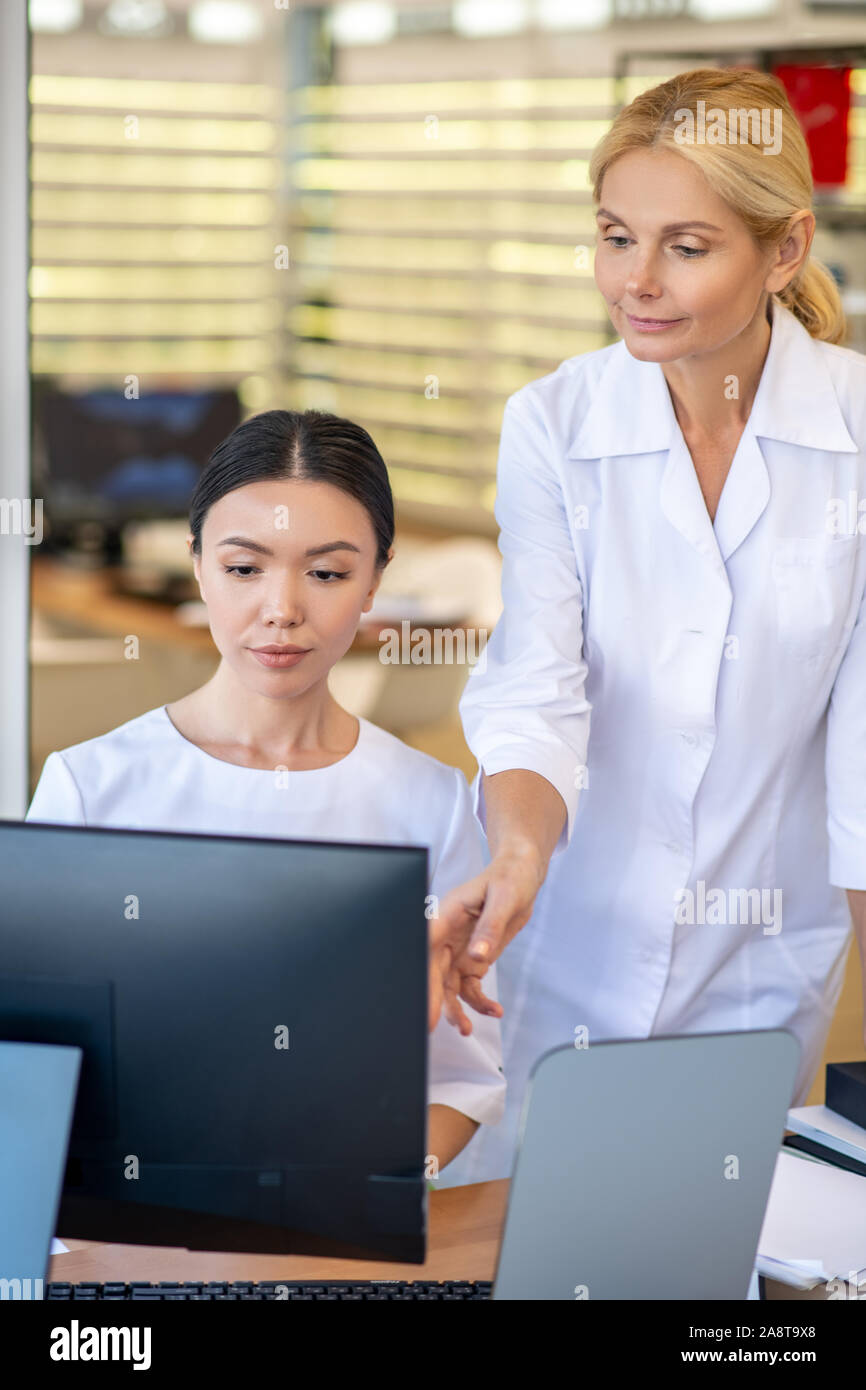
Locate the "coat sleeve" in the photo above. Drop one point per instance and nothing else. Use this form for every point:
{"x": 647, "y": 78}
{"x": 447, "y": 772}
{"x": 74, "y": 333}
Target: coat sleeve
{"x": 57, "y": 798}
{"x": 524, "y": 704}
{"x": 465, "y": 1073}
{"x": 846, "y": 763}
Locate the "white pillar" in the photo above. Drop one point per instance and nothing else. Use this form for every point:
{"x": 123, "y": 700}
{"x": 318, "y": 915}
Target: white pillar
{"x": 14, "y": 412}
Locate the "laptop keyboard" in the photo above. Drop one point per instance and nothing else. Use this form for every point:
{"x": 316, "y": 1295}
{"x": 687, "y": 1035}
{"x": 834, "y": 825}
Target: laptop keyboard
{"x": 291, "y": 1291}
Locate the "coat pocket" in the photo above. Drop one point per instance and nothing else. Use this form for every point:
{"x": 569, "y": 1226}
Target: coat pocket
{"x": 813, "y": 584}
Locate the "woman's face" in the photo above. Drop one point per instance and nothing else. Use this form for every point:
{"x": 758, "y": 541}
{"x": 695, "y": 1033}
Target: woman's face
{"x": 286, "y": 563}
{"x": 669, "y": 248}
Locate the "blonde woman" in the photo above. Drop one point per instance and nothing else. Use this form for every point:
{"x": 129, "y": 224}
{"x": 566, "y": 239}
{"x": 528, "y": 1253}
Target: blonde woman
{"x": 671, "y": 726}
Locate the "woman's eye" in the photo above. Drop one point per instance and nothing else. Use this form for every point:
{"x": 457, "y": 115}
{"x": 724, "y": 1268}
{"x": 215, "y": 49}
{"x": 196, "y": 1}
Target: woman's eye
{"x": 247, "y": 571}
{"x": 236, "y": 569}
{"x": 689, "y": 253}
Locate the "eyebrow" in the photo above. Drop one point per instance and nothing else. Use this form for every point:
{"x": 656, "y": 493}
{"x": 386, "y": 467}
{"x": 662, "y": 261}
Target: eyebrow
{"x": 247, "y": 544}
{"x": 669, "y": 227}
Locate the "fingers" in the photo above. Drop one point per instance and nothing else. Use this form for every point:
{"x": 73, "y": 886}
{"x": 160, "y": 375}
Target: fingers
{"x": 507, "y": 907}
{"x": 448, "y": 934}
{"x": 489, "y": 937}
{"x": 471, "y": 991}
{"x": 474, "y": 924}
{"x": 440, "y": 966}
{"x": 434, "y": 1007}
{"x": 458, "y": 912}
{"x": 451, "y": 1004}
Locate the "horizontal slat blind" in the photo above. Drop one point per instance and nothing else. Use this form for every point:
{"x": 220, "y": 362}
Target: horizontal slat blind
{"x": 154, "y": 254}
{"x": 434, "y": 237}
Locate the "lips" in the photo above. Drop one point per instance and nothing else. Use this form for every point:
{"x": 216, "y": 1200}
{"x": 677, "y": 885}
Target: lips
{"x": 279, "y": 658}
{"x": 651, "y": 323}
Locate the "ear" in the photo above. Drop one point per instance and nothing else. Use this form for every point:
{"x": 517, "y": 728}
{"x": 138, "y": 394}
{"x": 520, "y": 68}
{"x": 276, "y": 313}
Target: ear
{"x": 196, "y": 561}
{"x": 377, "y": 579}
{"x": 792, "y": 251}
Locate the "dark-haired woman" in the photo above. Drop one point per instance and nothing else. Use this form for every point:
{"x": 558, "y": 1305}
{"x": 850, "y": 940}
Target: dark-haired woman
{"x": 291, "y": 526}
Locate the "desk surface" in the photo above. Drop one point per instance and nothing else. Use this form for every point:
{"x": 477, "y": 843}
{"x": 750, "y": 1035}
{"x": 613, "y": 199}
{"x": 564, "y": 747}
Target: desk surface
{"x": 465, "y": 1224}
{"x": 463, "y": 1239}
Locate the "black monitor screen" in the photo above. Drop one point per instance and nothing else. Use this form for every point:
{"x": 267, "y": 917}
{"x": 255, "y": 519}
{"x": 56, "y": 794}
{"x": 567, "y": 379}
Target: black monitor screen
{"x": 256, "y": 1037}
{"x": 109, "y": 458}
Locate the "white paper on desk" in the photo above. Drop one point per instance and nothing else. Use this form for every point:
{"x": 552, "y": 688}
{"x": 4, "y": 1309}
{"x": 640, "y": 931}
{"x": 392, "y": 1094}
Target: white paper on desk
{"x": 58, "y": 1248}
{"x": 828, "y": 1128}
{"x": 815, "y": 1224}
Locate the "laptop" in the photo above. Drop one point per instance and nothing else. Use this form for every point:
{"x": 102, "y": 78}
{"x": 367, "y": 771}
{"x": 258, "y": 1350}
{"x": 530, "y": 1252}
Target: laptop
{"x": 644, "y": 1168}
{"x": 643, "y": 1172}
{"x": 38, "y": 1086}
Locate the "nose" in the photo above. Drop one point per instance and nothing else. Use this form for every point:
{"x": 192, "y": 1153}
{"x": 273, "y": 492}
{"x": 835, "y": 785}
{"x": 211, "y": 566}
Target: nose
{"x": 283, "y": 606}
{"x": 642, "y": 278}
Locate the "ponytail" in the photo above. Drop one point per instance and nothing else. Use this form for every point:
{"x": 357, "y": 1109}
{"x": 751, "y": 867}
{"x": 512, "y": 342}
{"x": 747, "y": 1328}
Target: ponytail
{"x": 813, "y": 297}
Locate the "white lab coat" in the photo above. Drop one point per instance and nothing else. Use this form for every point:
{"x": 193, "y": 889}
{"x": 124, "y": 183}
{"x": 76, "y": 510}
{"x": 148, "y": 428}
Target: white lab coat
{"x": 696, "y": 691}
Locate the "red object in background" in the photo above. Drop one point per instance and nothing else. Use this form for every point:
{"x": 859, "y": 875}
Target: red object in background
{"x": 821, "y": 98}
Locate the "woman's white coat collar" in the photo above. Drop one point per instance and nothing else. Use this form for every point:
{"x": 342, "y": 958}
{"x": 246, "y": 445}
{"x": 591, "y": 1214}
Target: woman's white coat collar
{"x": 632, "y": 413}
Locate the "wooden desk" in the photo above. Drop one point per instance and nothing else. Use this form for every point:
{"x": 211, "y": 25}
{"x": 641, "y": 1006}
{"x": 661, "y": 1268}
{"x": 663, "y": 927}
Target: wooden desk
{"x": 88, "y": 597}
{"x": 465, "y": 1225}
{"x": 462, "y": 1243}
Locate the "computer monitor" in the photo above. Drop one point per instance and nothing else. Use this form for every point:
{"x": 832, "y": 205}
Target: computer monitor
{"x": 253, "y": 1019}
{"x": 102, "y": 457}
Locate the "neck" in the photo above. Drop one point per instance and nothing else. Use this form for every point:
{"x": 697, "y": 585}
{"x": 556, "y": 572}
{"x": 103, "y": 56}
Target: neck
{"x": 712, "y": 393}
{"x": 309, "y": 722}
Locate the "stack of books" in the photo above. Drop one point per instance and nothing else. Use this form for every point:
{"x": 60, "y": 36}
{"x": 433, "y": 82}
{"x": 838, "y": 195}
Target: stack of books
{"x": 814, "y": 1227}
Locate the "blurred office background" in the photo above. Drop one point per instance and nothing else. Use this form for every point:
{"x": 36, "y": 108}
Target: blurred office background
{"x": 378, "y": 209}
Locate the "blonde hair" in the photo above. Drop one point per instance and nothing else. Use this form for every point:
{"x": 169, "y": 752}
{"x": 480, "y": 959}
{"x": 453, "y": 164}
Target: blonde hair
{"x": 764, "y": 190}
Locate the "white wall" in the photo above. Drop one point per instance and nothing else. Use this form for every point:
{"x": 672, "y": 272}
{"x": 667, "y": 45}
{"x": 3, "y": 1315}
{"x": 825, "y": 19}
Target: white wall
{"x": 14, "y": 411}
